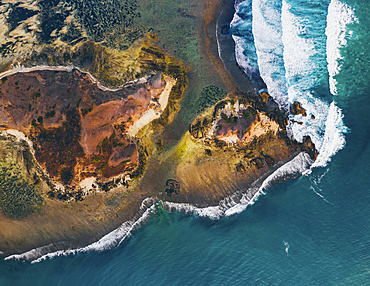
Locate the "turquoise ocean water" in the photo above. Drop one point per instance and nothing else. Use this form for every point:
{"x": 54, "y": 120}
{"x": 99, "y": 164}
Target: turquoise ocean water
{"x": 312, "y": 230}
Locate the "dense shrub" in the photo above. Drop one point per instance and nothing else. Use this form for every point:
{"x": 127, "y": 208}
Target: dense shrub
{"x": 209, "y": 96}
{"x": 18, "y": 198}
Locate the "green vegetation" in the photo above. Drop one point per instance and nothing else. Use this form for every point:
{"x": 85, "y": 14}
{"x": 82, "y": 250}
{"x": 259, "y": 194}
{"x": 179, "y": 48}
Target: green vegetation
{"x": 36, "y": 94}
{"x": 51, "y": 17}
{"x": 73, "y": 33}
{"x": 246, "y": 114}
{"x": 50, "y": 114}
{"x": 209, "y": 96}
{"x": 199, "y": 126}
{"x": 18, "y": 197}
{"x": 153, "y": 58}
{"x": 110, "y": 21}
{"x": 109, "y": 68}
{"x": 229, "y": 120}
{"x": 159, "y": 145}
{"x": 18, "y": 14}
{"x": 86, "y": 110}
{"x": 240, "y": 168}
{"x": 166, "y": 18}
{"x": 66, "y": 175}
{"x": 143, "y": 162}
{"x": 252, "y": 110}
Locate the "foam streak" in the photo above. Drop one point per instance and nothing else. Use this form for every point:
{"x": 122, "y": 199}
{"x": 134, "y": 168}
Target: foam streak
{"x": 338, "y": 17}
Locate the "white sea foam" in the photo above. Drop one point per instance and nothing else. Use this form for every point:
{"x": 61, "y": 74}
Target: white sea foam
{"x": 108, "y": 241}
{"x": 315, "y": 128}
{"x": 231, "y": 205}
{"x": 298, "y": 51}
{"x": 267, "y": 32}
{"x": 338, "y": 17}
{"x": 248, "y": 63}
{"x": 287, "y": 60}
{"x": 244, "y": 202}
{"x": 286, "y": 244}
{"x": 327, "y": 129}
{"x": 319, "y": 195}
{"x": 236, "y": 19}
{"x": 213, "y": 212}
{"x": 333, "y": 138}
{"x": 315, "y": 183}
{"x": 237, "y": 203}
{"x": 297, "y": 165}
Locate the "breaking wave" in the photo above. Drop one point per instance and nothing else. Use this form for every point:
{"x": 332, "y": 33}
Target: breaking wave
{"x": 339, "y": 16}
{"x": 109, "y": 241}
{"x": 292, "y": 45}
{"x": 231, "y": 205}
{"x": 267, "y": 32}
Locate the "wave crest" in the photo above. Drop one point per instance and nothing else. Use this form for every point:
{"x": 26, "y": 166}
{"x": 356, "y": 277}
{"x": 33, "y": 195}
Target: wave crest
{"x": 339, "y": 16}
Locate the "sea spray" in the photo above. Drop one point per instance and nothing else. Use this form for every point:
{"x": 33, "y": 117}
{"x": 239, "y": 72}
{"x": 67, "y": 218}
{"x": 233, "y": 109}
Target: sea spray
{"x": 298, "y": 52}
{"x": 231, "y": 205}
{"x": 334, "y": 139}
{"x": 238, "y": 202}
{"x": 339, "y": 16}
{"x": 298, "y": 165}
{"x": 241, "y": 30}
{"x": 109, "y": 241}
{"x": 267, "y": 32}
{"x": 326, "y": 129}
{"x": 212, "y": 212}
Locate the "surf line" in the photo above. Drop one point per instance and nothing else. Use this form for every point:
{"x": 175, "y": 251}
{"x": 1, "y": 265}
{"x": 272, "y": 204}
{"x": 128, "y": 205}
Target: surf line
{"x": 227, "y": 207}
{"x": 339, "y": 16}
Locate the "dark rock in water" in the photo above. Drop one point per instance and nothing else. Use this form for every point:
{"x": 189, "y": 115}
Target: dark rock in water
{"x": 309, "y": 147}
{"x": 297, "y": 109}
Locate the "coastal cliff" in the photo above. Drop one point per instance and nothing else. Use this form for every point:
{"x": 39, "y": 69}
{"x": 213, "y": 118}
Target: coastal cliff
{"x": 98, "y": 129}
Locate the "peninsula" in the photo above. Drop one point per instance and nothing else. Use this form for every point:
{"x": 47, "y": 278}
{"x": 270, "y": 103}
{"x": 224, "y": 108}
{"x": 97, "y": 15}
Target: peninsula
{"x": 103, "y": 118}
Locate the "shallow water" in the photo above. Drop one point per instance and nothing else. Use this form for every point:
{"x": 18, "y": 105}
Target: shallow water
{"x": 312, "y": 230}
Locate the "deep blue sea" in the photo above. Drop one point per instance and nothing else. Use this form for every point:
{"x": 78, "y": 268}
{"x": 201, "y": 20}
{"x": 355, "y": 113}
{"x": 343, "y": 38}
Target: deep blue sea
{"x": 311, "y": 230}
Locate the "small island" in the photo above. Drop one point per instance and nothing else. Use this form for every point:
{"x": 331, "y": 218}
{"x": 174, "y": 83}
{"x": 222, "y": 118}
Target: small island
{"x": 101, "y": 123}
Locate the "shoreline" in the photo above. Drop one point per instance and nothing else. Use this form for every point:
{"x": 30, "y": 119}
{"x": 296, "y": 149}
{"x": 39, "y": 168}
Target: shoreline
{"x": 226, "y": 207}
{"x": 132, "y": 214}
{"x": 226, "y": 52}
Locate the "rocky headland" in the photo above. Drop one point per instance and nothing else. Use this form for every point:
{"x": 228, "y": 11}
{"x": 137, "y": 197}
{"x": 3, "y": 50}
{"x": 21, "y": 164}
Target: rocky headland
{"x": 90, "y": 131}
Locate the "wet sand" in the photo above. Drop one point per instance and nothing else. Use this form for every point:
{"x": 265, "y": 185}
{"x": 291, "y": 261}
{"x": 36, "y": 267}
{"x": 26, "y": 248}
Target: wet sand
{"x": 226, "y": 50}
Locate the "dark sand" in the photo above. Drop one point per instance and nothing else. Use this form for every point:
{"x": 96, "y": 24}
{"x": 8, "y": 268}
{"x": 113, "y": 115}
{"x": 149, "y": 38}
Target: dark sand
{"x": 226, "y": 49}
